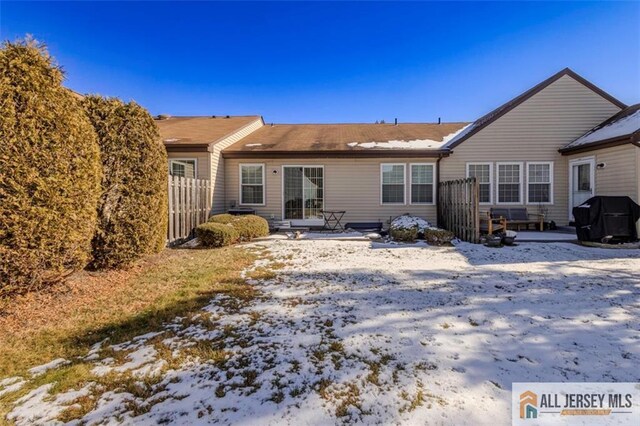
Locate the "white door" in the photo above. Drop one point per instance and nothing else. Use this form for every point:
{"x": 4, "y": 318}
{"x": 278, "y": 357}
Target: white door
{"x": 581, "y": 182}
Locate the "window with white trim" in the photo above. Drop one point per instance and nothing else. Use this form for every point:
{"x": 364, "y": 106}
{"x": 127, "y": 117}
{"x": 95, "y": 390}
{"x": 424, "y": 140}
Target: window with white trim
{"x": 392, "y": 183}
{"x": 251, "y": 184}
{"x": 183, "y": 167}
{"x": 509, "y": 183}
{"x": 539, "y": 182}
{"x": 422, "y": 183}
{"x": 483, "y": 173}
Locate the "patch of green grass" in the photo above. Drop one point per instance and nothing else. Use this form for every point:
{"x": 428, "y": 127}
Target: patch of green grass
{"x": 171, "y": 284}
{"x": 349, "y": 397}
{"x": 413, "y": 401}
{"x": 374, "y": 373}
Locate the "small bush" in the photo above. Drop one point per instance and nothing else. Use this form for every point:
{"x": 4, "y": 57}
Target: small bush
{"x": 404, "y": 234}
{"x": 250, "y": 227}
{"x": 222, "y": 218}
{"x": 438, "y": 237}
{"x": 213, "y": 234}
{"x": 49, "y": 172}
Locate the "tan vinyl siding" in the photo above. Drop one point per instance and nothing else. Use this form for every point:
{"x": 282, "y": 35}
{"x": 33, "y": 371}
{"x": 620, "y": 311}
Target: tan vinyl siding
{"x": 217, "y": 165}
{"x": 349, "y": 184}
{"x": 620, "y": 176}
{"x": 203, "y": 164}
{"x": 534, "y": 131}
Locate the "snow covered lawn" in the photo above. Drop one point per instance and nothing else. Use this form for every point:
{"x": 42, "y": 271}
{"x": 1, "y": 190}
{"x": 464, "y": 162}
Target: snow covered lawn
{"x": 352, "y": 331}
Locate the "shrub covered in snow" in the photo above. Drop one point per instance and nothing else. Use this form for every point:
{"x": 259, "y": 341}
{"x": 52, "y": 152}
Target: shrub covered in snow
{"x": 407, "y": 228}
{"x": 213, "y": 234}
{"x": 438, "y": 237}
{"x": 407, "y": 235}
{"x": 407, "y": 221}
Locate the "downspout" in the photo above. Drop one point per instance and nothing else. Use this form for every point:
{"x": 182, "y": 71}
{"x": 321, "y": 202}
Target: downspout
{"x": 440, "y": 156}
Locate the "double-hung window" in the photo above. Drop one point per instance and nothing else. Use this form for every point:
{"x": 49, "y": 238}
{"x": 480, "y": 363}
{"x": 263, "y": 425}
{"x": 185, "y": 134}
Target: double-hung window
{"x": 422, "y": 187}
{"x": 540, "y": 183}
{"x": 509, "y": 183}
{"x": 252, "y": 184}
{"x": 183, "y": 167}
{"x": 392, "y": 182}
{"x": 483, "y": 172}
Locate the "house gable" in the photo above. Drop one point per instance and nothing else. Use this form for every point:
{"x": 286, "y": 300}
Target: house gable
{"x": 532, "y": 129}
{"x": 504, "y": 109}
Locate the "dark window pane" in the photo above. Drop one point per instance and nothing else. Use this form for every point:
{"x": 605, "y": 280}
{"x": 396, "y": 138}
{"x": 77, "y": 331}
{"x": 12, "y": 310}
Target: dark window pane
{"x": 392, "y": 193}
{"x": 421, "y": 193}
{"x": 252, "y": 194}
{"x": 509, "y": 193}
{"x": 485, "y": 192}
{"x": 539, "y": 193}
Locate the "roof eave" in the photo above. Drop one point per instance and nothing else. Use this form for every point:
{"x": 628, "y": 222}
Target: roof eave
{"x": 196, "y": 147}
{"x": 605, "y": 143}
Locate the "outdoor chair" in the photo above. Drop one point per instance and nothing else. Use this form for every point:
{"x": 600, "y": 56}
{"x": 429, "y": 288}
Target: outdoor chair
{"x": 518, "y": 216}
{"x": 489, "y": 224}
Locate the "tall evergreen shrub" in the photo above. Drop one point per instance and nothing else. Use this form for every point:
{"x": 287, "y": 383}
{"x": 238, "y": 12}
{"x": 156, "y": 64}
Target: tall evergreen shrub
{"x": 132, "y": 210}
{"x": 49, "y": 171}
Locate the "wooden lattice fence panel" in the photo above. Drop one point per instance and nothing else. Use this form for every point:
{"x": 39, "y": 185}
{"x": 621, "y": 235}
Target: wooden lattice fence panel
{"x": 189, "y": 206}
{"x": 458, "y": 208}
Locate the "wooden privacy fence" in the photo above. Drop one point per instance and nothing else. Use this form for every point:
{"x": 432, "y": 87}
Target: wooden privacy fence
{"x": 189, "y": 205}
{"x": 458, "y": 208}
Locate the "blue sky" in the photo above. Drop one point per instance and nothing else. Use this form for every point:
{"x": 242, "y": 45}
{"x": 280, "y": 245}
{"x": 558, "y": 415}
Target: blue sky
{"x": 332, "y": 62}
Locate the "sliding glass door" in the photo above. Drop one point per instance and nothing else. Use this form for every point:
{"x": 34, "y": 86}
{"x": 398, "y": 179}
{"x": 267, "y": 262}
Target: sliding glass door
{"x": 303, "y": 192}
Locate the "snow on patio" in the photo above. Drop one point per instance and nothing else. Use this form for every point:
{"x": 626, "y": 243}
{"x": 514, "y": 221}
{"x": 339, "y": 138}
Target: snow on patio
{"x": 354, "y": 331}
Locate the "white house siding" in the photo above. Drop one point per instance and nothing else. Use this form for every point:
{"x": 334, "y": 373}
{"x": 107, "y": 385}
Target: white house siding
{"x": 217, "y": 164}
{"x": 534, "y": 131}
{"x": 620, "y": 176}
{"x": 352, "y": 185}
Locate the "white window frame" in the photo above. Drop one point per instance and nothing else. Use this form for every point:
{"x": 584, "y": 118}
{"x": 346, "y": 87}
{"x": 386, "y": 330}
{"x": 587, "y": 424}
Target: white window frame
{"x": 522, "y": 183}
{"x": 264, "y": 184}
{"x": 491, "y": 185}
{"x": 433, "y": 183}
{"x": 195, "y": 167}
{"x": 404, "y": 184}
{"x": 550, "y": 164}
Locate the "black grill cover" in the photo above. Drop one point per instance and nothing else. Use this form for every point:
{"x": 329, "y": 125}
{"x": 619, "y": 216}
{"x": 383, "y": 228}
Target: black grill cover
{"x": 602, "y": 217}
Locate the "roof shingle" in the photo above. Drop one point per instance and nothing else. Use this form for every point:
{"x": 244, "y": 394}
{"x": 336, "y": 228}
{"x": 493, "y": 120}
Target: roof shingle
{"x": 200, "y": 130}
{"x": 346, "y": 137}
